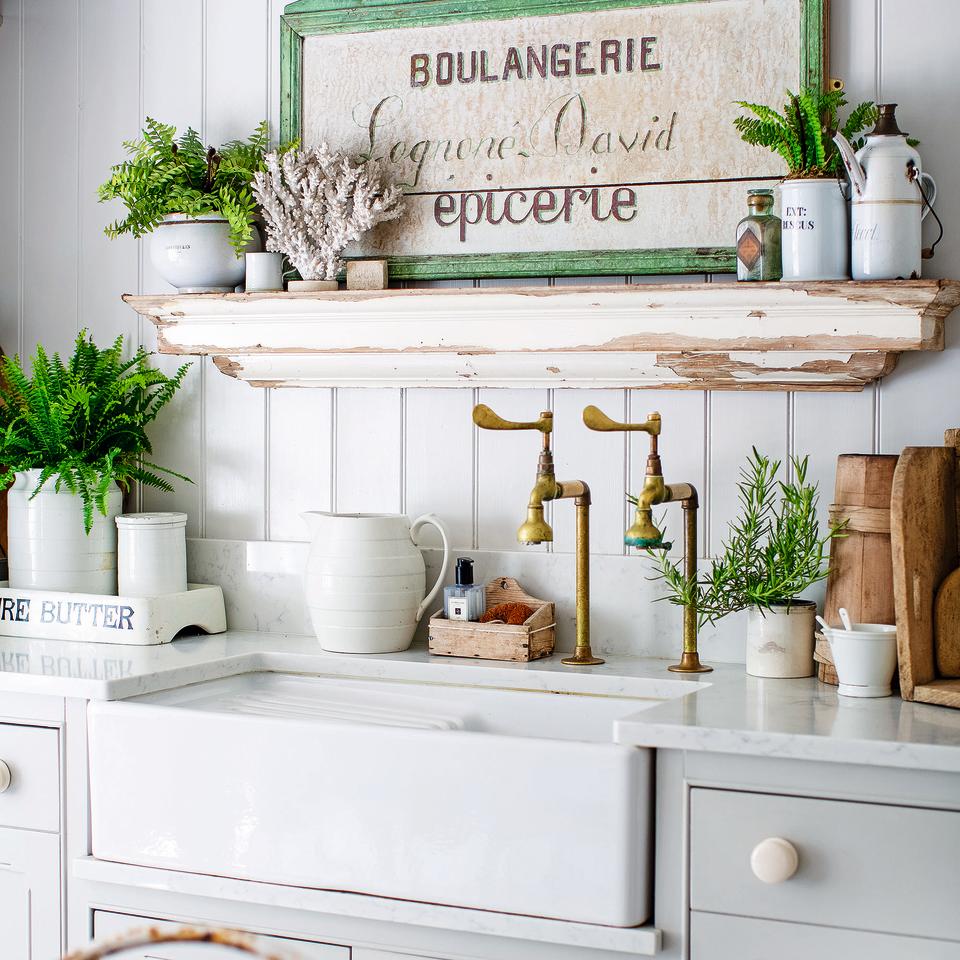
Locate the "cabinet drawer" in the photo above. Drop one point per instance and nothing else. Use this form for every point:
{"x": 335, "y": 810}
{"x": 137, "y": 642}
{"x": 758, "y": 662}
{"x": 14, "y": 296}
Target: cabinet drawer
{"x": 32, "y": 754}
{"x": 108, "y": 925}
{"x": 715, "y": 937}
{"x": 863, "y": 865}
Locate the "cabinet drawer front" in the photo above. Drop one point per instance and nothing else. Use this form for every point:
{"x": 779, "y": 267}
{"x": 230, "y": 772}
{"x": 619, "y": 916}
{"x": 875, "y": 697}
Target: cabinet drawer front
{"x": 108, "y": 925}
{"x": 32, "y": 754}
{"x": 869, "y": 866}
{"x": 716, "y": 937}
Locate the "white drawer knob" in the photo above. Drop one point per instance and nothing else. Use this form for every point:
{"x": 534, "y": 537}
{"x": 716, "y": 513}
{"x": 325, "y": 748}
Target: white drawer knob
{"x": 774, "y": 860}
{"x": 6, "y": 777}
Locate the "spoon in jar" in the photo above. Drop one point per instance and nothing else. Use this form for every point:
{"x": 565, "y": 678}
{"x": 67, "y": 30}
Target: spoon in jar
{"x": 845, "y": 618}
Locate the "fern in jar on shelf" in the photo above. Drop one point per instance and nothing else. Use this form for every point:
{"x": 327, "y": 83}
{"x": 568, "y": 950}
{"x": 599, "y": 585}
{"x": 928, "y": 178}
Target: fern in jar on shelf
{"x": 72, "y": 434}
{"x": 195, "y": 200}
{"x": 774, "y": 551}
{"x": 813, "y": 208}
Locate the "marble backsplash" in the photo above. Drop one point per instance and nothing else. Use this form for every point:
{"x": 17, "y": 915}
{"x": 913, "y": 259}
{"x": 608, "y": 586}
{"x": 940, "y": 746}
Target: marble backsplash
{"x": 263, "y": 587}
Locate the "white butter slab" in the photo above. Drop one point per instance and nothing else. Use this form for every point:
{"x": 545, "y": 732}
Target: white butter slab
{"x": 99, "y": 618}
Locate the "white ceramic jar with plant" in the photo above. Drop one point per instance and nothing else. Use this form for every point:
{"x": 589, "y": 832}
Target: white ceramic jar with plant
{"x": 72, "y": 437}
{"x": 195, "y": 202}
{"x": 773, "y": 553}
{"x": 815, "y": 242}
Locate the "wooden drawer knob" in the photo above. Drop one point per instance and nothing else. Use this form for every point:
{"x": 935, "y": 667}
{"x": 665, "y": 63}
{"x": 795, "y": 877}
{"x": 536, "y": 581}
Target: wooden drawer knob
{"x": 6, "y": 777}
{"x": 774, "y": 860}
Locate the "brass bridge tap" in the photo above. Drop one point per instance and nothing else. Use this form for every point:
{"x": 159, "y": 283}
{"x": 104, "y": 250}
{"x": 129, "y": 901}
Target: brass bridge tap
{"x": 535, "y": 528}
{"x": 644, "y": 533}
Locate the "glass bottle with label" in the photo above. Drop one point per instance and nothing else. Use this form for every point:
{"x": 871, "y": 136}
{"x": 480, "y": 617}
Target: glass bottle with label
{"x": 758, "y": 239}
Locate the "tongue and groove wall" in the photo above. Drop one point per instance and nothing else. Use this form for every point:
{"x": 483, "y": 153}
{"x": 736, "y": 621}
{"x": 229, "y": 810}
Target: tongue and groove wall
{"x": 78, "y": 76}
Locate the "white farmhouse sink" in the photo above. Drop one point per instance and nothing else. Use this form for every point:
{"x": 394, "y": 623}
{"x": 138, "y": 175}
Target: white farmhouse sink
{"x": 513, "y": 801}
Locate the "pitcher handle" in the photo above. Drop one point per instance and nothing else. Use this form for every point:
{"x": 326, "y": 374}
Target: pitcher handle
{"x": 930, "y": 191}
{"x": 433, "y": 520}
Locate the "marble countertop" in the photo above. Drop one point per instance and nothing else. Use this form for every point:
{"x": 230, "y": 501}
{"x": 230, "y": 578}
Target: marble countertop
{"x": 725, "y": 711}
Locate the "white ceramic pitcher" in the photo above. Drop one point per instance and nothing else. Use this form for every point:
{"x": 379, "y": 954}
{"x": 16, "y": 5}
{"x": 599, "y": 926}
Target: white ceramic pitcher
{"x": 365, "y": 580}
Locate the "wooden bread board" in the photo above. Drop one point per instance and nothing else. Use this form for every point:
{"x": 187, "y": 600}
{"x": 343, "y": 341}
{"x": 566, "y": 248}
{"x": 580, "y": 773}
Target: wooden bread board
{"x": 923, "y": 533}
{"x": 531, "y": 640}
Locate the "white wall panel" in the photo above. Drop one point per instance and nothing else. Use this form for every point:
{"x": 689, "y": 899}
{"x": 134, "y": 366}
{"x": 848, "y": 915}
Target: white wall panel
{"x": 300, "y": 458}
{"x": 50, "y": 226}
{"x": 11, "y": 192}
{"x": 369, "y": 445}
{"x": 109, "y": 114}
{"x": 93, "y": 68}
{"x": 439, "y": 462}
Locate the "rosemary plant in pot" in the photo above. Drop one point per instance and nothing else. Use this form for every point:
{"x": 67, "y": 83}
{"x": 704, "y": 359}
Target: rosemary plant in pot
{"x": 196, "y": 202}
{"x": 71, "y": 435}
{"x": 774, "y": 552}
{"x": 815, "y": 235}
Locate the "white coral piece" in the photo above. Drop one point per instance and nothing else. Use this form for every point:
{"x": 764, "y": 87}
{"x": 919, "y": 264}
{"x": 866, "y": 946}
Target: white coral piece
{"x": 316, "y": 202}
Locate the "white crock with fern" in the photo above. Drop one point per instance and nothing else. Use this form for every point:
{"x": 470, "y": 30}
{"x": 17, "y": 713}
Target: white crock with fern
{"x": 49, "y": 548}
{"x": 194, "y": 254}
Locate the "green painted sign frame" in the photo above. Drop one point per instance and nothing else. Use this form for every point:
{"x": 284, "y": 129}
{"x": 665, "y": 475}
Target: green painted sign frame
{"x": 305, "y": 18}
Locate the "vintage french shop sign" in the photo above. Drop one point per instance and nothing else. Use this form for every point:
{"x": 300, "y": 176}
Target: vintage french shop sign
{"x": 541, "y": 138}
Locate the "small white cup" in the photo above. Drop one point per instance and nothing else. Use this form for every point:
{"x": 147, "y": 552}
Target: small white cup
{"x": 264, "y": 272}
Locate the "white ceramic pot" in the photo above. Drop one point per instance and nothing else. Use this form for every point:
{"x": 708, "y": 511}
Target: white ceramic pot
{"x": 365, "y": 580}
{"x": 195, "y": 255}
{"x": 865, "y": 658}
{"x": 780, "y": 640}
{"x": 151, "y": 554}
{"x": 48, "y": 548}
{"x": 264, "y": 272}
{"x": 815, "y": 235}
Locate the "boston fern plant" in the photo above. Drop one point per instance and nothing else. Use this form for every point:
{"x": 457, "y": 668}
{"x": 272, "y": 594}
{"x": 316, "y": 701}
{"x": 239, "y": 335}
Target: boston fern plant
{"x": 83, "y": 423}
{"x": 168, "y": 175}
{"x": 773, "y": 551}
{"x": 803, "y": 132}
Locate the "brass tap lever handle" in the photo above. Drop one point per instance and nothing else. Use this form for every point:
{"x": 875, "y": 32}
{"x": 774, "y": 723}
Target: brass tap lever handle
{"x": 484, "y": 417}
{"x": 596, "y": 419}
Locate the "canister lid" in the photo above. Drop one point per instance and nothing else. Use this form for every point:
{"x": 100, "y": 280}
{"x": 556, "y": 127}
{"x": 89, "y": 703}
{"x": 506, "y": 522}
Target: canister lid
{"x": 152, "y": 520}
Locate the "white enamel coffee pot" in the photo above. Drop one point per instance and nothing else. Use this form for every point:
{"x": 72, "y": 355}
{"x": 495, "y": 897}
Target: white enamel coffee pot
{"x": 887, "y": 203}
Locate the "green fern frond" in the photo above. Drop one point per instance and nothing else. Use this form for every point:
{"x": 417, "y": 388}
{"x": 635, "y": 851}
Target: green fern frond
{"x": 83, "y": 423}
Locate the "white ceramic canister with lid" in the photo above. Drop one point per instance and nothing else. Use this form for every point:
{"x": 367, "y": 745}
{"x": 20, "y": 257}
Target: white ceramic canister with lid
{"x": 151, "y": 554}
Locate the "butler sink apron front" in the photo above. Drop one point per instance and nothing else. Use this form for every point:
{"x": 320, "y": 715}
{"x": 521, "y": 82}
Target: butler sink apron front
{"x": 511, "y": 801}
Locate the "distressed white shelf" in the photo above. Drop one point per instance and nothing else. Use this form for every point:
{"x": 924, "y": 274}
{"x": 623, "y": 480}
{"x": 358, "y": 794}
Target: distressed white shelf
{"x": 721, "y": 336}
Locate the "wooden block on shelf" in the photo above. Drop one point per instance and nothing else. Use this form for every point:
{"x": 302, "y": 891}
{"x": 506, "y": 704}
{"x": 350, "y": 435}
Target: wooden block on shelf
{"x": 367, "y": 274}
{"x": 531, "y": 640}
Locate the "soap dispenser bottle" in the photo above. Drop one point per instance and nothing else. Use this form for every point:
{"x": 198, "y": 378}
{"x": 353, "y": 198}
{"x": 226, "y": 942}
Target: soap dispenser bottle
{"x": 464, "y": 600}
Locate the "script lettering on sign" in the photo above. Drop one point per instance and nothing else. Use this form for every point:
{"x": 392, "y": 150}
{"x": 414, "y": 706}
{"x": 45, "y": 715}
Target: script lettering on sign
{"x": 582, "y": 131}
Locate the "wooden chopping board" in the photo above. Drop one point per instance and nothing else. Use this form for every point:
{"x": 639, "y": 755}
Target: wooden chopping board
{"x": 923, "y": 532}
{"x": 946, "y": 626}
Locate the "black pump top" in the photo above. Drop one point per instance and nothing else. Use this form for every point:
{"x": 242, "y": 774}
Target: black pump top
{"x": 464, "y": 572}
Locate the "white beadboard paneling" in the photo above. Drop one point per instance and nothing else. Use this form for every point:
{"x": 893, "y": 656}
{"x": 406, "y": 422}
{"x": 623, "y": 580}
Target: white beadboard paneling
{"x": 439, "y": 462}
{"x": 681, "y": 448}
{"x": 739, "y": 422}
{"x": 853, "y": 48}
{"x": 234, "y": 476}
{"x": 369, "y": 458}
{"x": 597, "y": 458}
{"x": 300, "y": 458}
{"x": 109, "y": 114}
{"x": 819, "y": 432}
{"x": 921, "y": 399}
{"x": 171, "y": 78}
{"x": 507, "y": 468}
{"x": 11, "y": 145}
{"x": 177, "y": 441}
{"x": 172, "y": 81}
{"x": 49, "y": 175}
{"x": 236, "y": 77}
